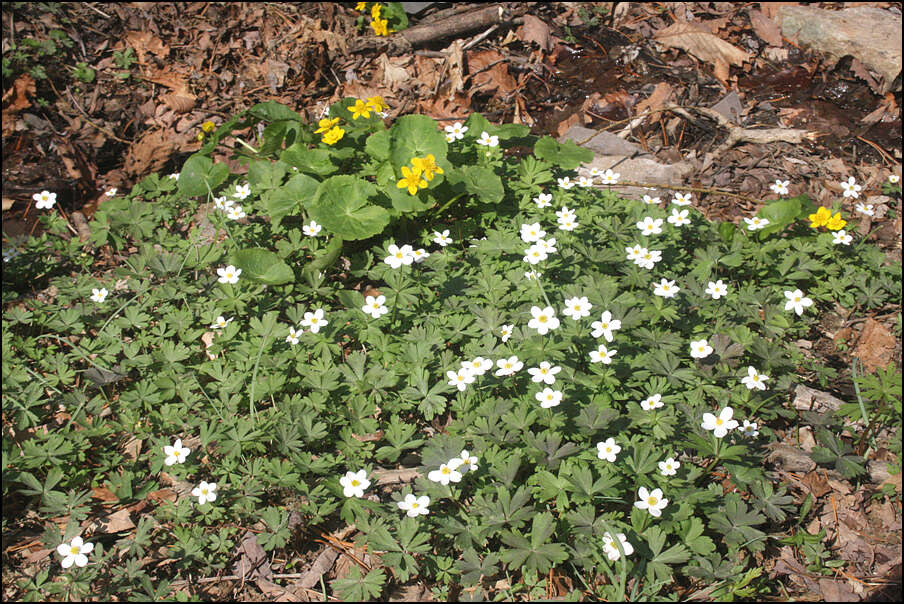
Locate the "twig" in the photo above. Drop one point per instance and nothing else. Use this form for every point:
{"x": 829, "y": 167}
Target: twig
{"x": 885, "y": 154}
{"x": 480, "y": 38}
{"x": 98, "y": 11}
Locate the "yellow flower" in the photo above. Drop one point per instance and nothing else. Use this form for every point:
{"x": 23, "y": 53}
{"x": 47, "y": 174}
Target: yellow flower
{"x": 381, "y": 27}
{"x": 820, "y": 218}
{"x": 361, "y": 6}
{"x": 325, "y": 124}
{"x": 377, "y": 103}
{"x": 361, "y": 109}
{"x": 208, "y": 126}
{"x": 200, "y": 136}
{"x": 333, "y": 135}
{"x": 375, "y": 11}
{"x": 426, "y": 165}
{"x": 412, "y": 180}
{"x": 835, "y": 223}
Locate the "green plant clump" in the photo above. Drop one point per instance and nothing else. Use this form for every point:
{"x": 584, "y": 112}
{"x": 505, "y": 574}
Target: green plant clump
{"x": 567, "y": 384}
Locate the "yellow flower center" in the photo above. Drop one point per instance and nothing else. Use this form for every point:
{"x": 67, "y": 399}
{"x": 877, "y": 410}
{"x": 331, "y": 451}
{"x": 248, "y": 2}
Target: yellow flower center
{"x": 74, "y": 550}
{"x": 797, "y": 298}
{"x": 355, "y": 483}
{"x": 446, "y": 470}
{"x": 652, "y": 501}
{"x": 542, "y": 318}
{"x": 719, "y": 421}
{"x": 414, "y": 506}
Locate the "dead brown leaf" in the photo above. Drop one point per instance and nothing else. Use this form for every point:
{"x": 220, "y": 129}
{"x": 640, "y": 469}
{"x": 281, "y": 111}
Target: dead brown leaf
{"x": 765, "y": 28}
{"x": 207, "y": 339}
{"x": 132, "y": 448}
{"x": 22, "y": 87}
{"x": 817, "y": 483}
{"x": 149, "y": 153}
{"x": 145, "y": 42}
{"x": 490, "y": 72}
{"x": 659, "y": 97}
{"x": 7, "y": 202}
{"x": 104, "y": 494}
{"x": 116, "y": 522}
{"x": 252, "y": 562}
{"x": 455, "y": 68}
{"x": 876, "y": 346}
{"x": 837, "y": 591}
{"x": 535, "y": 30}
{"x": 700, "y": 42}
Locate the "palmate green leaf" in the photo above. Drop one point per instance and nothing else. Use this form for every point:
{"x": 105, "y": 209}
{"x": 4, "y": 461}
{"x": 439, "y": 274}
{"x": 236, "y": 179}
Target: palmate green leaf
{"x": 262, "y": 265}
{"x": 415, "y": 136}
{"x": 736, "y": 523}
{"x": 534, "y": 554}
{"x": 480, "y": 182}
{"x": 691, "y": 532}
{"x": 472, "y": 567}
{"x": 342, "y": 206}
{"x": 355, "y": 588}
{"x": 200, "y": 176}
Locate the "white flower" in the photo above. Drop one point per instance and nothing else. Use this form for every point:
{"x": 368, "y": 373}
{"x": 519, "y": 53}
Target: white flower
{"x": 756, "y": 223}
{"x": 487, "y": 140}
{"x": 44, "y": 201}
{"x": 666, "y": 289}
{"x": 583, "y": 181}
{"x": 535, "y": 254}
{"x": 505, "y": 332}
{"x": 720, "y": 425}
{"x": 509, "y": 366}
{"x": 547, "y": 245}
{"x": 609, "y": 177}
{"x": 565, "y": 213}
{"x": 545, "y": 373}
{"x": 754, "y": 379}
{"x": 749, "y": 429}
{"x": 442, "y": 239}
{"x": 679, "y": 217}
{"x": 206, "y": 491}
{"x": 611, "y": 549}
{"x": 543, "y": 200}
{"x": 602, "y": 355}
{"x": 478, "y": 366}
{"x": 460, "y": 378}
{"x": 529, "y": 275}
{"x": 635, "y": 252}
{"x": 230, "y": 274}
{"x": 375, "y": 306}
{"x": 445, "y": 475}
{"x": 456, "y": 131}
{"x": 577, "y": 308}
{"x": 594, "y": 172}
{"x": 669, "y": 467}
{"x": 851, "y": 188}
{"x": 242, "y": 191}
{"x": 894, "y": 179}
{"x": 717, "y": 289}
{"x": 354, "y": 483}
{"x": 74, "y": 552}
{"x": 235, "y": 212}
{"x": 311, "y": 230}
{"x": 866, "y": 208}
{"x": 543, "y": 319}
{"x": 700, "y": 349}
{"x": 567, "y": 224}
{"x": 111, "y": 192}
{"x": 175, "y": 453}
{"x": 399, "y": 255}
{"x": 780, "y": 187}
{"x": 415, "y": 506}
{"x": 549, "y": 398}
{"x": 797, "y": 301}
{"x": 99, "y": 295}
{"x": 222, "y": 203}
{"x": 292, "y": 338}
{"x": 565, "y": 183}
{"x": 648, "y": 258}
{"x": 314, "y": 320}
{"x": 532, "y": 232}
{"x": 420, "y": 255}
{"x": 654, "y": 401}
{"x": 841, "y": 238}
{"x": 605, "y": 326}
{"x": 682, "y": 199}
{"x": 651, "y": 200}
{"x": 648, "y": 226}
{"x": 173, "y": 176}
{"x": 464, "y": 459}
{"x": 10, "y": 253}
{"x": 607, "y": 450}
{"x": 221, "y": 322}
{"x": 651, "y": 501}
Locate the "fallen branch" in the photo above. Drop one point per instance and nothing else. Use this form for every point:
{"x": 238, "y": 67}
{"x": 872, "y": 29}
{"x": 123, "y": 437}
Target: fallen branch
{"x": 454, "y": 26}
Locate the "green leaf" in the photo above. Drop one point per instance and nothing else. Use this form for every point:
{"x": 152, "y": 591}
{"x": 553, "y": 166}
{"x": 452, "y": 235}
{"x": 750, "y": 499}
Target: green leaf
{"x": 567, "y": 156}
{"x": 377, "y": 145}
{"x": 265, "y": 174}
{"x": 287, "y": 199}
{"x": 259, "y": 264}
{"x": 415, "y": 136}
{"x": 478, "y": 181}
{"x": 312, "y": 161}
{"x": 534, "y": 554}
{"x": 200, "y": 176}
{"x": 341, "y": 206}
{"x": 355, "y": 588}
{"x": 272, "y": 111}
{"x": 780, "y": 214}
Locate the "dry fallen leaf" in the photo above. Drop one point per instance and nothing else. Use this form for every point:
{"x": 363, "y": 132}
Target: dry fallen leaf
{"x": 535, "y": 30}
{"x": 657, "y": 99}
{"x": 765, "y": 28}
{"x": 144, "y": 42}
{"x": 698, "y": 41}
{"x": 393, "y": 73}
{"x": 876, "y": 346}
{"x": 149, "y": 153}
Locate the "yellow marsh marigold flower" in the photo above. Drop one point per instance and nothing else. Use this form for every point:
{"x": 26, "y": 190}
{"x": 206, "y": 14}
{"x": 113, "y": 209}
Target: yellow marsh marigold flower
{"x": 333, "y": 136}
{"x": 836, "y": 223}
{"x": 427, "y": 166}
{"x": 208, "y": 126}
{"x": 820, "y": 218}
{"x": 325, "y": 124}
{"x": 375, "y": 11}
{"x": 361, "y": 6}
{"x": 412, "y": 180}
{"x": 381, "y": 27}
{"x": 377, "y": 103}
{"x": 361, "y": 109}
